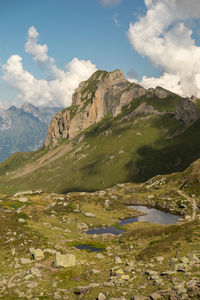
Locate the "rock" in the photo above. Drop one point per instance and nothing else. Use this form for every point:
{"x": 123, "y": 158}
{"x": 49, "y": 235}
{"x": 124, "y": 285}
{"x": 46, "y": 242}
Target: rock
{"x": 167, "y": 272}
{"x": 101, "y": 296}
{"x": 155, "y": 296}
{"x": 187, "y": 112}
{"x": 119, "y": 273}
{"x": 94, "y": 285}
{"x": 150, "y": 272}
{"x": 100, "y": 256}
{"x": 21, "y": 220}
{"x": 13, "y": 251}
{"x": 161, "y": 92}
{"x": 125, "y": 277}
{"x": 91, "y": 105}
{"x": 25, "y": 261}
{"x": 32, "y": 285}
{"x": 107, "y": 203}
{"x": 64, "y": 260}
{"x": 82, "y": 226}
{"x": 139, "y": 297}
{"x": 36, "y": 272}
{"x": 37, "y": 254}
{"x": 118, "y": 260}
{"x": 94, "y": 271}
{"x": 89, "y": 214}
{"x": 184, "y": 260}
{"x": 23, "y": 193}
{"x": 159, "y": 259}
{"x": 23, "y": 199}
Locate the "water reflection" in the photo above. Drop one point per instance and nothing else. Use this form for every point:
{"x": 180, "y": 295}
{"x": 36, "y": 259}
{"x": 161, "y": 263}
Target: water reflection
{"x": 152, "y": 215}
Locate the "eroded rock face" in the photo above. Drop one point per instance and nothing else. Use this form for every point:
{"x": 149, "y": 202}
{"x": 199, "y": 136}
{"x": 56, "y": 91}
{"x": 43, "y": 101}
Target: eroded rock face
{"x": 187, "y": 112}
{"x": 103, "y": 93}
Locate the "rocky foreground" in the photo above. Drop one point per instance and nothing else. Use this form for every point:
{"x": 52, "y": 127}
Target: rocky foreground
{"x": 40, "y": 232}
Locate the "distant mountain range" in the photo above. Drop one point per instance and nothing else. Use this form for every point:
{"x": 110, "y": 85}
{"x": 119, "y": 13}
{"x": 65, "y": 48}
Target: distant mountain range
{"x": 23, "y": 129}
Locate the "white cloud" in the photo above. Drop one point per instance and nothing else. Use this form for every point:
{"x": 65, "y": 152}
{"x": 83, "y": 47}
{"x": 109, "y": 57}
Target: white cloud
{"x": 163, "y": 36}
{"x": 110, "y": 3}
{"x": 39, "y": 52}
{"x": 56, "y": 92}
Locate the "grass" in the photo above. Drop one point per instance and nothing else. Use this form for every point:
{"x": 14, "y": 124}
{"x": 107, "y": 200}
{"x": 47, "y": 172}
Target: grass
{"x": 114, "y": 150}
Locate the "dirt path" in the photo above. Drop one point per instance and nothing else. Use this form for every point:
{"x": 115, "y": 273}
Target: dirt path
{"x": 193, "y": 202}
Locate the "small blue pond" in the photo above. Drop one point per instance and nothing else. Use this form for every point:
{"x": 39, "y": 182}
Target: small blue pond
{"x": 151, "y": 215}
{"x": 89, "y": 247}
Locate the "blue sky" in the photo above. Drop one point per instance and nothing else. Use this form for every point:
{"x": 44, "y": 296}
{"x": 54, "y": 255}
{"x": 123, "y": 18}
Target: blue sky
{"x": 87, "y": 30}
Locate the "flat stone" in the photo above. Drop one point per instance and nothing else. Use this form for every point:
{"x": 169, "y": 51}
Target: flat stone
{"x": 155, "y": 296}
{"x": 25, "y": 261}
{"x": 100, "y": 256}
{"x": 64, "y": 260}
{"x": 21, "y": 220}
{"x": 89, "y": 214}
{"x": 125, "y": 277}
{"x": 139, "y": 297}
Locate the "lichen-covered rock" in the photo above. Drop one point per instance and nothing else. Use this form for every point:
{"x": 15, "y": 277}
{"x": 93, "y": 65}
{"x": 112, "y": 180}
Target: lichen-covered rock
{"x": 64, "y": 260}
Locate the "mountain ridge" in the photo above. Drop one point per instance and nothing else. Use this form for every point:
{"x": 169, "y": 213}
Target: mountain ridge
{"x": 104, "y": 93}
{"x": 23, "y": 129}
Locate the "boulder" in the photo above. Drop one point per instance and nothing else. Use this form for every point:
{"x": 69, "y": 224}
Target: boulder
{"x": 64, "y": 260}
{"x": 82, "y": 226}
{"x": 25, "y": 261}
{"x": 21, "y": 220}
{"x": 101, "y": 296}
{"x": 37, "y": 254}
{"x": 89, "y": 214}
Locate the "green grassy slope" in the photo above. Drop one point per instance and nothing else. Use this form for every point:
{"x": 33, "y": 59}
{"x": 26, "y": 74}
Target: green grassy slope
{"x": 115, "y": 150}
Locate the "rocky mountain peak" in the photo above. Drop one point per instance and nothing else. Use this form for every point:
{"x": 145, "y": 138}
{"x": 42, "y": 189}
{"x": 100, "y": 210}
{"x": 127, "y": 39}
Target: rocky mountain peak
{"x": 103, "y": 93}
{"x": 107, "y": 93}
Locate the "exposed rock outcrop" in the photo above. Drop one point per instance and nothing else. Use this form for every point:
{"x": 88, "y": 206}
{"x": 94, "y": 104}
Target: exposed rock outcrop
{"x": 187, "y": 112}
{"x": 103, "y": 93}
{"x": 107, "y": 93}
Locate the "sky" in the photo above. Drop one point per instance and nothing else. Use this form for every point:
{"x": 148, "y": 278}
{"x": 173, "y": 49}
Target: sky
{"x": 48, "y": 47}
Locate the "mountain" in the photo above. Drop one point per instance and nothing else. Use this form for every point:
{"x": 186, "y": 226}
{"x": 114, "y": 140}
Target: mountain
{"x": 115, "y": 131}
{"x": 23, "y": 129}
{"x": 118, "y": 148}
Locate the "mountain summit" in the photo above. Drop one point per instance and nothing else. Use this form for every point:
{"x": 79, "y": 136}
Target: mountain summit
{"x": 108, "y": 93}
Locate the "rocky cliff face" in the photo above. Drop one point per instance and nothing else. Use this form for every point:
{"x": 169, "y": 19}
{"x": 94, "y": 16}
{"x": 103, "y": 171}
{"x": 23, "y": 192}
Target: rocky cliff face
{"x": 187, "y": 111}
{"x": 105, "y": 93}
